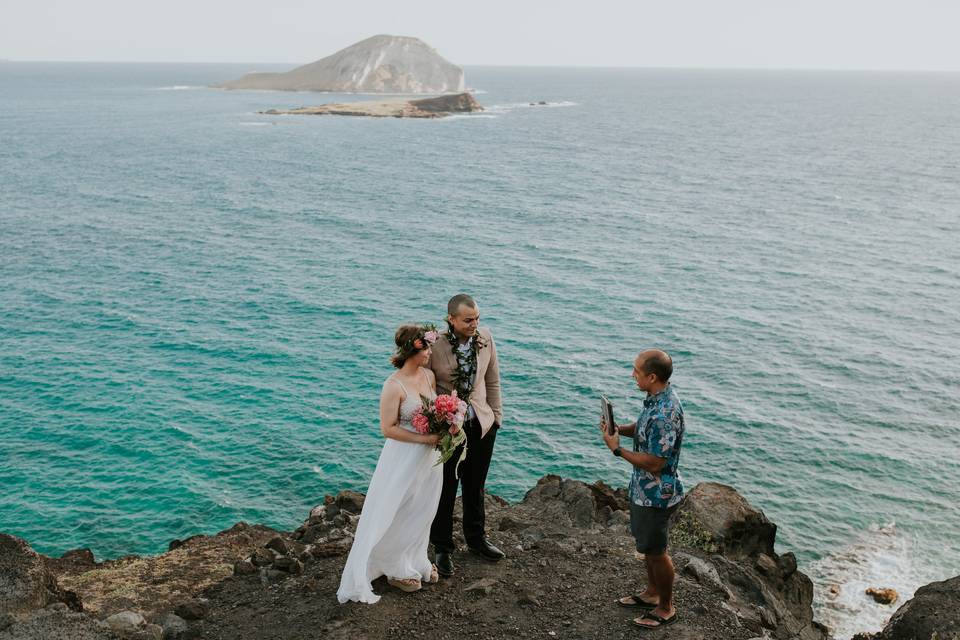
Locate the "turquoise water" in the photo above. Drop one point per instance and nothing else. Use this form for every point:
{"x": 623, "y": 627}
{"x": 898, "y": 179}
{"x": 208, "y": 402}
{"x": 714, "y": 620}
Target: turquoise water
{"x": 197, "y": 301}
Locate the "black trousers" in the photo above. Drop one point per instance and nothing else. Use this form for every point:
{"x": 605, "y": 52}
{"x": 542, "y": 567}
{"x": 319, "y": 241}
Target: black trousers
{"x": 473, "y": 476}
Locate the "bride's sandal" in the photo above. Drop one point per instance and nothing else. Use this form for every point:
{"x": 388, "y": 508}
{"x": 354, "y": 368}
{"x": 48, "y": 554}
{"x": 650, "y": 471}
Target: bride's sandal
{"x": 408, "y": 585}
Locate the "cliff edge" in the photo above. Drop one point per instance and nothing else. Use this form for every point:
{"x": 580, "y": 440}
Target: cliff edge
{"x": 569, "y": 557}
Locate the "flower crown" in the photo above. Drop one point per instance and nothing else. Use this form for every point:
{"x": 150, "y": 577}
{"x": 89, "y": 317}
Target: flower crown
{"x": 426, "y": 337}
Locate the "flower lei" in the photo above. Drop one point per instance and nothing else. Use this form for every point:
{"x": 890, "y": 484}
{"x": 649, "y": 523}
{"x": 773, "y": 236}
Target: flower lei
{"x": 466, "y": 363}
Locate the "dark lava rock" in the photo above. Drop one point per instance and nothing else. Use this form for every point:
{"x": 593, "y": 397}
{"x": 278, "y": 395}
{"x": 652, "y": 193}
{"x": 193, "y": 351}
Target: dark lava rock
{"x": 244, "y": 568}
{"x": 932, "y": 614}
{"x": 174, "y": 627}
{"x": 263, "y": 557}
{"x": 26, "y": 581}
{"x": 456, "y": 103}
{"x": 191, "y": 609}
{"x": 289, "y": 565}
{"x": 509, "y": 523}
{"x": 576, "y": 502}
{"x": 351, "y": 501}
{"x": 715, "y": 518}
{"x": 78, "y": 558}
{"x": 176, "y": 544}
{"x": 279, "y": 545}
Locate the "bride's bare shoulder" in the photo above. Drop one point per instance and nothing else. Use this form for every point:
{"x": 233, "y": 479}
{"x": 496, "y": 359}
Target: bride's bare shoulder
{"x": 392, "y": 386}
{"x": 431, "y": 376}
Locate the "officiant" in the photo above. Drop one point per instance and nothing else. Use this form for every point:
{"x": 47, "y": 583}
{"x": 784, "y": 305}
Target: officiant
{"x": 655, "y": 484}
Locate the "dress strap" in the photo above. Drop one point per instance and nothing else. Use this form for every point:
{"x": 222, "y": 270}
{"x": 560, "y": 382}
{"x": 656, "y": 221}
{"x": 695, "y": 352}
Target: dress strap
{"x": 397, "y": 380}
{"x": 405, "y": 392}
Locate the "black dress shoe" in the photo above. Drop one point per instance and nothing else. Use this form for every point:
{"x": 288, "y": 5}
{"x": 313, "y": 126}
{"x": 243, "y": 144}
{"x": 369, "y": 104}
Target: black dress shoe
{"x": 486, "y": 550}
{"x": 444, "y": 564}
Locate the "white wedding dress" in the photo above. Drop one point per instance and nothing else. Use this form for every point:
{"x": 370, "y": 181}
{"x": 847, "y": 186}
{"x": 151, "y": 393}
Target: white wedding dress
{"x": 394, "y": 528}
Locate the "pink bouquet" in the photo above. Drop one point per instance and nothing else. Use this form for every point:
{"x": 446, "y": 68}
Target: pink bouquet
{"x": 443, "y": 415}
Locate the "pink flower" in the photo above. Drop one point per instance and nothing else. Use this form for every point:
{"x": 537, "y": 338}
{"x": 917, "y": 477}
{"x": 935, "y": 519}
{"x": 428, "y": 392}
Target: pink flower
{"x": 451, "y": 418}
{"x": 431, "y": 336}
{"x": 418, "y": 344}
{"x": 420, "y": 422}
{"x": 454, "y": 430}
{"x": 445, "y": 404}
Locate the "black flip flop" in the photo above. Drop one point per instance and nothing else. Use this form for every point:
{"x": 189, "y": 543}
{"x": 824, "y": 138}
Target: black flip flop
{"x": 661, "y": 622}
{"x": 638, "y": 602}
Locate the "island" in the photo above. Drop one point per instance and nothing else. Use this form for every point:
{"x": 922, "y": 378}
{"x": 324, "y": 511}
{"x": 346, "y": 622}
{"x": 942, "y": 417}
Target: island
{"x": 437, "y": 107}
{"x": 381, "y": 64}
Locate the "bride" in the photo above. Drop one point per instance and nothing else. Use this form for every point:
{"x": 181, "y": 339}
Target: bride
{"x": 394, "y": 527}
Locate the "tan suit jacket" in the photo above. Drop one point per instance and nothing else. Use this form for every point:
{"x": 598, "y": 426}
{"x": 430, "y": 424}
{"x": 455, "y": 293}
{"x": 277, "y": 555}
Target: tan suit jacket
{"x": 485, "y": 397}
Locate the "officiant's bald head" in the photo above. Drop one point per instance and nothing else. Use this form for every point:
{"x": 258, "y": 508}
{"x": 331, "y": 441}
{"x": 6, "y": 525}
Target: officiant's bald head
{"x": 652, "y": 370}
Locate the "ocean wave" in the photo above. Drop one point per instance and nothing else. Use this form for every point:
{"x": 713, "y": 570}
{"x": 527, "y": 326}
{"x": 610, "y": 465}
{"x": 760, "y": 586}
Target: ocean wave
{"x": 180, "y": 87}
{"x": 882, "y": 557}
{"x": 464, "y": 116}
{"x": 530, "y": 105}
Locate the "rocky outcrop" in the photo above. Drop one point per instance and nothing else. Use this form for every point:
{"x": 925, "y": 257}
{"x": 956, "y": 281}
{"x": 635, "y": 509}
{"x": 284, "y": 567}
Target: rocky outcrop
{"x": 932, "y": 614}
{"x": 381, "y": 64}
{"x": 569, "y": 556}
{"x": 437, "y": 107}
{"x": 26, "y": 581}
{"x": 716, "y": 518}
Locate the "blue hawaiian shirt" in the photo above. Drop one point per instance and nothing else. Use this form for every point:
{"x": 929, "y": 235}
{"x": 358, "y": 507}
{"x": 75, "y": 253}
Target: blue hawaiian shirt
{"x": 659, "y": 432}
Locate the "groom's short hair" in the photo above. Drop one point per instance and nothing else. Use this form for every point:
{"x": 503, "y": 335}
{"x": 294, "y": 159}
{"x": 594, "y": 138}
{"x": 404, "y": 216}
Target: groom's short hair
{"x": 460, "y": 299}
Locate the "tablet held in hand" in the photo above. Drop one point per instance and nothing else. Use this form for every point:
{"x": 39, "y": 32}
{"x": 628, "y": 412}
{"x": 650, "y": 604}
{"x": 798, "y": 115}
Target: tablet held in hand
{"x": 606, "y": 412}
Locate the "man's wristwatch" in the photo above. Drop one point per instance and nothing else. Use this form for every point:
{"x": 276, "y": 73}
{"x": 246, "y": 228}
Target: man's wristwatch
{"x": 618, "y": 452}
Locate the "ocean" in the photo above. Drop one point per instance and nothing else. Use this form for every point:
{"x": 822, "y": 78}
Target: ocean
{"x": 197, "y": 302}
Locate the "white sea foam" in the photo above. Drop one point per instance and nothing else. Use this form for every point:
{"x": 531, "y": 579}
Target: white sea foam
{"x": 883, "y": 557}
{"x": 179, "y": 87}
{"x": 510, "y": 106}
{"x": 464, "y": 116}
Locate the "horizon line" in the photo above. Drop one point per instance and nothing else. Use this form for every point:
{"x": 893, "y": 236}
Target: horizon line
{"x": 524, "y": 66}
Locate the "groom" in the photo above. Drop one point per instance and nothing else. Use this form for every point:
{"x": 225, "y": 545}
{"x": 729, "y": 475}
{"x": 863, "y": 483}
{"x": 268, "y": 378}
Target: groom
{"x": 465, "y": 361}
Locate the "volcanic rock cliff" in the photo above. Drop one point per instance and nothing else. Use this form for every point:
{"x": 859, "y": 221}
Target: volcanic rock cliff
{"x": 381, "y": 64}
{"x": 569, "y": 557}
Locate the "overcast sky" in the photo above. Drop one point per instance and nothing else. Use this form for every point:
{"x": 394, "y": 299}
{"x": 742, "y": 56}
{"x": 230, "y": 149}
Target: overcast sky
{"x": 832, "y": 34}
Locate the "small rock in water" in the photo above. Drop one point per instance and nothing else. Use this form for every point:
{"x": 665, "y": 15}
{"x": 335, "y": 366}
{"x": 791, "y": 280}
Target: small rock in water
{"x": 883, "y": 596}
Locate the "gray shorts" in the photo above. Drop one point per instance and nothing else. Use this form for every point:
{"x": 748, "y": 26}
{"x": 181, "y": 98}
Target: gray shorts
{"x": 649, "y": 526}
